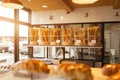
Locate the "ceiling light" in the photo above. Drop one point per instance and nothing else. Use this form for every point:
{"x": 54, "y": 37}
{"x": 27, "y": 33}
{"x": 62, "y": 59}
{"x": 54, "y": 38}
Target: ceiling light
{"x": 44, "y": 6}
{"x": 29, "y": 0}
{"x": 84, "y": 1}
{"x": 14, "y": 4}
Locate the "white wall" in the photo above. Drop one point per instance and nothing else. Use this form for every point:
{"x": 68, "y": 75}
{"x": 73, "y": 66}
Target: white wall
{"x": 96, "y": 14}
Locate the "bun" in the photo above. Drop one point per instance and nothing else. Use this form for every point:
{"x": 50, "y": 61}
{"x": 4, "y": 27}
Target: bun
{"x": 112, "y": 71}
{"x": 30, "y": 66}
{"x": 75, "y": 71}
{"x": 115, "y": 76}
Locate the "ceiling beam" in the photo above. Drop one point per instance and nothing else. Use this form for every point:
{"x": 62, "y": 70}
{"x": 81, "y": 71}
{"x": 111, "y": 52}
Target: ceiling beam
{"x": 116, "y": 4}
{"x": 67, "y": 6}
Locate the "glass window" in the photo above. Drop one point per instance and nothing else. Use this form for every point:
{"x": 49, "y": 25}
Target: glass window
{"x": 23, "y": 31}
{"x": 7, "y": 41}
{"x": 112, "y": 42}
{"x": 23, "y": 16}
{"x": 6, "y": 12}
{"x": 112, "y": 38}
{"x": 23, "y": 39}
{"x": 6, "y": 29}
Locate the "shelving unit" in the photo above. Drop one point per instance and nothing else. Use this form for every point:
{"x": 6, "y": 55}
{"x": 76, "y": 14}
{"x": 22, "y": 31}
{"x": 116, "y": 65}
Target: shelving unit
{"x": 78, "y": 33}
{"x": 63, "y": 47}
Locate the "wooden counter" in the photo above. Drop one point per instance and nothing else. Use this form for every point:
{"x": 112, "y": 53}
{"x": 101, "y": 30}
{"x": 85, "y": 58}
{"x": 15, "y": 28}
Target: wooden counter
{"x": 97, "y": 73}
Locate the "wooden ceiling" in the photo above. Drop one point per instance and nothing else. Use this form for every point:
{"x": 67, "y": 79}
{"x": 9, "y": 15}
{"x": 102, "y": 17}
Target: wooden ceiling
{"x": 35, "y": 5}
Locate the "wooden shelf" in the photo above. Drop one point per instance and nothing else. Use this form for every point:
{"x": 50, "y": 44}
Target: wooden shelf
{"x": 76, "y": 46}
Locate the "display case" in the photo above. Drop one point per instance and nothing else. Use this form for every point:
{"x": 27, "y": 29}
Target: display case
{"x": 55, "y": 35}
{"x": 112, "y": 42}
{"x": 44, "y": 36}
{"x": 33, "y": 36}
{"x": 67, "y": 35}
{"x": 82, "y": 42}
{"x": 80, "y": 36}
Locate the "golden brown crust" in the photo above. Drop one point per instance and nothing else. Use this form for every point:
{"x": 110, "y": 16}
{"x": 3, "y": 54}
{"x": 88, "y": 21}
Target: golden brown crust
{"x": 44, "y": 36}
{"x": 112, "y": 71}
{"x": 75, "y": 71}
{"x": 66, "y": 36}
{"x": 34, "y": 36}
{"x": 31, "y": 66}
{"x": 115, "y": 76}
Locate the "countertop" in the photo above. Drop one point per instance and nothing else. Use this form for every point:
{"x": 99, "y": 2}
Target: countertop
{"x": 97, "y": 73}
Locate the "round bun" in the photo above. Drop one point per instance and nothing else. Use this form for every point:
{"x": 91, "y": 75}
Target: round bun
{"x": 112, "y": 71}
{"x": 109, "y": 69}
{"x": 30, "y": 66}
{"x": 75, "y": 71}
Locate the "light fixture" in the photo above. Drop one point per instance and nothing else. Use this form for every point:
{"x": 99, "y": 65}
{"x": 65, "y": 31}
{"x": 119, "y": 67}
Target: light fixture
{"x": 44, "y": 6}
{"x": 14, "y": 4}
{"x": 29, "y": 0}
{"x": 84, "y": 1}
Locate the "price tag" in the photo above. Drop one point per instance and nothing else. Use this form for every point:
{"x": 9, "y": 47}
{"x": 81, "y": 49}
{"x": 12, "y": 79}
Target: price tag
{"x": 78, "y": 41}
{"x": 93, "y": 41}
{"x": 58, "y": 41}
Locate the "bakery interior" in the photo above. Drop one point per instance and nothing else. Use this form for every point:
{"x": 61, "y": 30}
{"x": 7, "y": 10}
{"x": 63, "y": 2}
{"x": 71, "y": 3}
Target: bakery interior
{"x": 60, "y": 33}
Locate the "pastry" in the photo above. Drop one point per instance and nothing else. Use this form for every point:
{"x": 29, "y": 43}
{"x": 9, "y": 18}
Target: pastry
{"x": 44, "y": 36}
{"x": 34, "y": 36}
{"x": 112, "y": 71}
{"x": 30, "y": 66}
{"x": 55, "y": 36}
{"x": 79, "y": 36}
{"x": 66, "y": 36}
{"x": 75, "y": 71}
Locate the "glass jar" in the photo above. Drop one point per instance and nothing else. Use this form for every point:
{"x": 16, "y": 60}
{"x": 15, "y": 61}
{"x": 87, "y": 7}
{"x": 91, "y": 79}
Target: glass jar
{"x": 114, "y": 56}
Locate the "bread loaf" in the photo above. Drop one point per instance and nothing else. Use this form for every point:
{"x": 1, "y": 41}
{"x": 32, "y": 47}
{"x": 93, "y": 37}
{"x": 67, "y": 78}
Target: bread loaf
{"x": 30, "y": 66}
{"x": 79, "y": 36}
{"x": 66, "y": 36}
{"x": 44, "y": 36}
{"x": 34, "y": 36}
{"x": 112, "y": 71}
{"x": 55, "y": 35}
{"x": 93, "y": 35}
{"x": 75, "y": 71}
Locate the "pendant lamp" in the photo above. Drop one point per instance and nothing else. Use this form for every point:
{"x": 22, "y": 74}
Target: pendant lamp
{"x": 84, "y": 1}
{"x": 14, "y": 4}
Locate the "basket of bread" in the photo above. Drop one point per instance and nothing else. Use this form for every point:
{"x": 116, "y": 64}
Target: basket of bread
{"x": 66, "y": 36}
{"x": 79, "y": 36}
{"x": 34, "y": 32}
{"x": 93, "y": 36}
{"x": 55, "y": 36}
{"x": 44, "y": 36}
